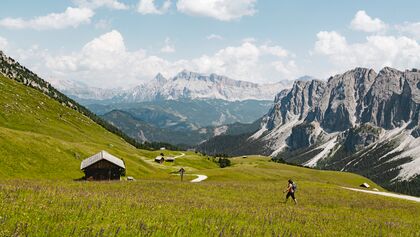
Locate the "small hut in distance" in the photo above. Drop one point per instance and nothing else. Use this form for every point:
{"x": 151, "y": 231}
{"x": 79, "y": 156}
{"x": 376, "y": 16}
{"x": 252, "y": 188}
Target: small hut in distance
{"x": 103, "y": 166}
{"x": 159, "y": 159}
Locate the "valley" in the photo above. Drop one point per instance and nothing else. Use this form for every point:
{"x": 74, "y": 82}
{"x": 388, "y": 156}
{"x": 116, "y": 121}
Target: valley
{"x": 315, "y": 123}
{"x": 196, "y": 118}
{"x": 183, "y": 122}
{"x": 184, "y": 110}
{"x": 43, "y": 141}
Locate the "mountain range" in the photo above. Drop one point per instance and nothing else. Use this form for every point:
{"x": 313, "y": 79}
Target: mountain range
{"x": 184, "y": 85}
{"x": 186, "y": 109}
{"x": 359, "y": 121}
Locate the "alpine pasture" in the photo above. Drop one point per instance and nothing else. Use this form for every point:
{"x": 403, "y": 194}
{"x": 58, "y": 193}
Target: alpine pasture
{"x": 43, "y": 142}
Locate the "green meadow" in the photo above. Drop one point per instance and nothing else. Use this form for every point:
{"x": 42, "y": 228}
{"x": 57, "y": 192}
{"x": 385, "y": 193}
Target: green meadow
{"x": 42, "y": 144}
{"x": 210, "y": 208}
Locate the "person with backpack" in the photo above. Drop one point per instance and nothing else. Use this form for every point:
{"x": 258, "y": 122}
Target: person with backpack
{"x": 291, "y": 190}
{"x": 181, "y": 172}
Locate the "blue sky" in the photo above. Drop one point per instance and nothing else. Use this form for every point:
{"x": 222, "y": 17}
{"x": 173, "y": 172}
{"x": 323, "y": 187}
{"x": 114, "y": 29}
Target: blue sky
{"x": 120, "y": 43}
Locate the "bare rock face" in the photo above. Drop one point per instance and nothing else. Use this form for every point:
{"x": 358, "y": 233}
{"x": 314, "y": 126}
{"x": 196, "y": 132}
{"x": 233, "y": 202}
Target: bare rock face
{"x": 415, "y": 132}
{"x": 302, "y": 136}
{"x": 386, "y": 100}
{"x": 360, "y": 137}
{"x": 341, "y": 105}
{"x": 336, "y": 104}
{"x": 297, "y": 103}
{"x": 393, "y": 99}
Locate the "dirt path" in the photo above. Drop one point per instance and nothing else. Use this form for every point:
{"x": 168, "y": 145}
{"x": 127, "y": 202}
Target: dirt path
{"x": 400, "y": 196}
{"x": 200, "y": 178}
{"x": 182, "y": 154}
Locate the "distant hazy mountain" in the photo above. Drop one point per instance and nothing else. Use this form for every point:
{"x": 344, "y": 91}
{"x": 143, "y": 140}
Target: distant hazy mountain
{"x": 83, "y": 92}
{"x": 180, "y": 134}
{"x": 359, "y": 121}
{"x": 190, "y": 85}
{"x": 181, "y": 121}
{"x": 185, "y": 85}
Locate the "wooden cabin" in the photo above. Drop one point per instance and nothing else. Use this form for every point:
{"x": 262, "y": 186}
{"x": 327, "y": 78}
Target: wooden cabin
{"x": 103, "y": 166}
{"x": 365, "y": 185}
{"x": 160, "y": 159}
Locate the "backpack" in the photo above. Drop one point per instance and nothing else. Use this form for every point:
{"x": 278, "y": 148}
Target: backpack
{"x": 294, "y": 186}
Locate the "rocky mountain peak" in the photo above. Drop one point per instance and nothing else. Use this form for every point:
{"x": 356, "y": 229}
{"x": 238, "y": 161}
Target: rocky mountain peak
{"x": 358, "y": 96}
{"x": 389, "y": 71}
{"x": 306, "y": 78}
{"x": 193, "y": 85}
{"x": 188, "y": 75}
{"x": 160, "y": 78}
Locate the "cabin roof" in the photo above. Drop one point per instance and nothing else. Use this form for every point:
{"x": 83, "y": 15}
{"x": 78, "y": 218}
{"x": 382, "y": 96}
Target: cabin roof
{"x": 103, "y": 155}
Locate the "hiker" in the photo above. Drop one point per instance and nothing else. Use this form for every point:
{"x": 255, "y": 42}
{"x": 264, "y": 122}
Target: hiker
{"x": 291, "y": 189}
{"x": 181, "y": 172}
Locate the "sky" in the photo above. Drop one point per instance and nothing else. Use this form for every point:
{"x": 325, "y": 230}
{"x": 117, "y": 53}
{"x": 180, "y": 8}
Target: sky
{"x": 122, "y": 43}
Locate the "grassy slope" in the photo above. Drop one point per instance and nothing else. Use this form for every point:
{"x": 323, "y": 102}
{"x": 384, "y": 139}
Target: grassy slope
{"x": 42, "y": 140}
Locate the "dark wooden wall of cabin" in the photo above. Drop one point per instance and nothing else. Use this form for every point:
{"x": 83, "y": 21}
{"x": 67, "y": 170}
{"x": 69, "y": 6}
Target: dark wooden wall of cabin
{"x": 103, "y": 170}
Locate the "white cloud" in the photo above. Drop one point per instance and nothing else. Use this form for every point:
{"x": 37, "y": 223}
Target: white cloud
{"x": 3, "y": 43}
{"x": 240, "y": 61}
{"x": 93, "y": 4}
{"x": 376, "y": 52}
{"x": 249, "y": 39}
{"x": 223, "y": 10}
{"x": 363, "y": 22}
{"x": 274, "y": 50}
{"x": 148, "y": 7}
{"x": 168, "y": 47}
{"x": 103, "y": 24}
{"x": 71, "y": 17}
{"x": 248, "y": 62}
{"x": 111, "y": 43}
{"x": 411, "y": 28}
{"x": 214, "y": 37}
{"x": 106, "y": 62}
{"x": 330, "y": 43}
{"x": 287, "y": 69}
